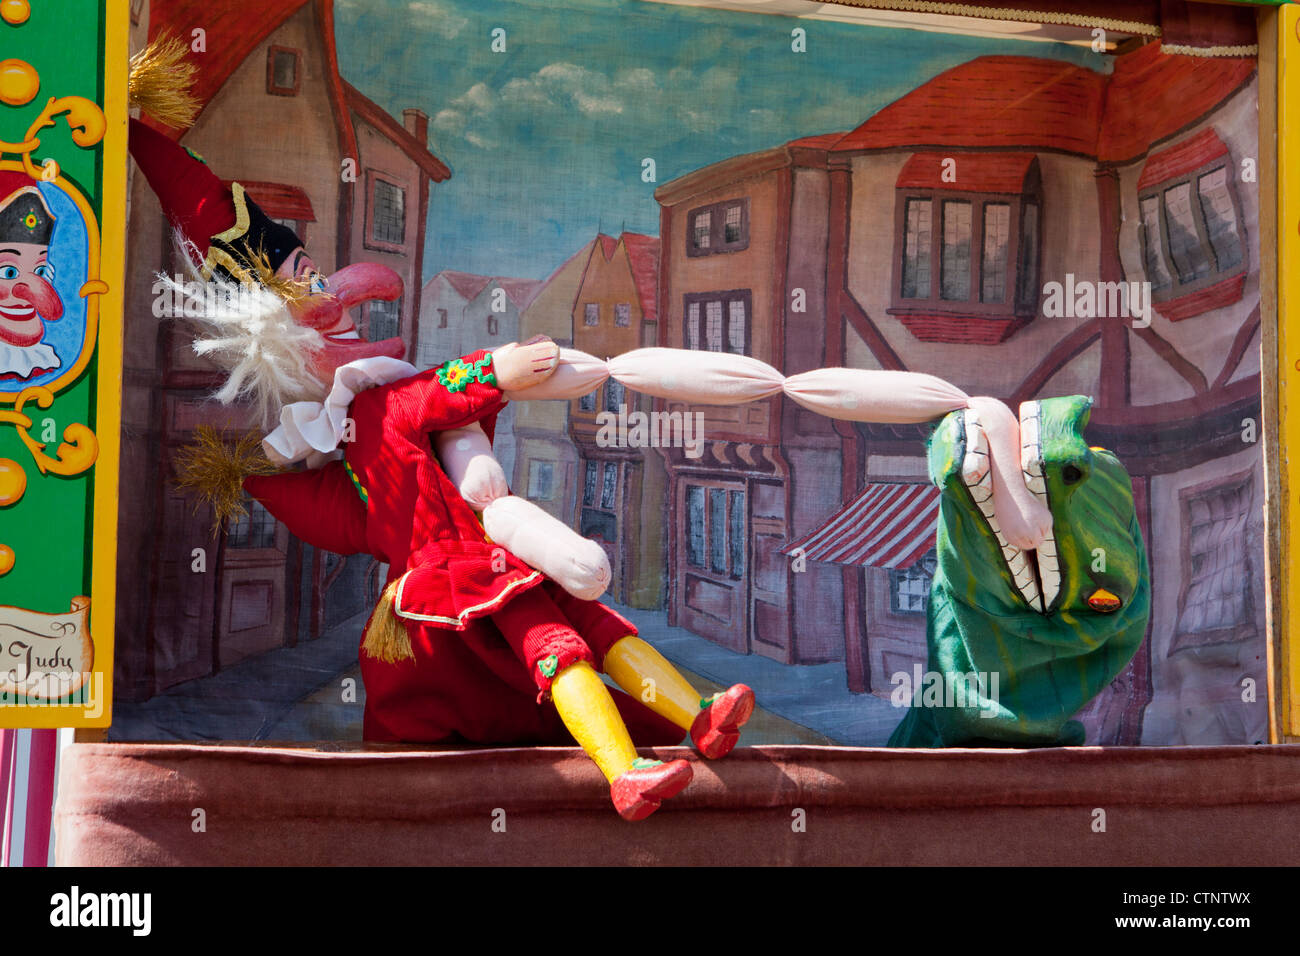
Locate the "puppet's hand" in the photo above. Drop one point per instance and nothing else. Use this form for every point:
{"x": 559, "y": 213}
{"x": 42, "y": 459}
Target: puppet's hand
{"x": 520, "y": 366}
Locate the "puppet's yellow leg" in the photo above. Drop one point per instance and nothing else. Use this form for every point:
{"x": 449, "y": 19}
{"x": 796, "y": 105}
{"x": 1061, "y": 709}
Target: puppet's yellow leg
{"x": 588, "y": 711}
{"x": 646, "y": 674}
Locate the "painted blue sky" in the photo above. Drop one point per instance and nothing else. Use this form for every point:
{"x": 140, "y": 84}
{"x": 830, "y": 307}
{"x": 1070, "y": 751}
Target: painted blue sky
{"x": 546, "y": 140}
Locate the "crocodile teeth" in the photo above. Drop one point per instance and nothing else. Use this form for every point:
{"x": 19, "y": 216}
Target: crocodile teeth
{"x": 978, "y": 478}
{"x": 975, "y": 464}
{"x": 1049, "y": 572}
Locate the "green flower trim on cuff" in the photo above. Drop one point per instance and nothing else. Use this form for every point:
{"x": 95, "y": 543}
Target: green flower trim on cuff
{"x": 644, "y": 763}
{"x": 548, "y": 665}
{"x": 455, "y": 375}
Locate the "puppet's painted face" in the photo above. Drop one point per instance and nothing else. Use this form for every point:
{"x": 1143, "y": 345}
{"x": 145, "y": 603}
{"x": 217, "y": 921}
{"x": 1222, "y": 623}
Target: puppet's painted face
{"x": 27, "y": 294}
{"x": 326, "y": 308}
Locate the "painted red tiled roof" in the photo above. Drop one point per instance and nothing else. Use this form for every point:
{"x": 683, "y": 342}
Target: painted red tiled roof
{"x": 1153, "y": 95}
{"x": 467, "y": 284}
{"x": 643, "y": 253}
{"x": 520, "y": 291}
{"x": 232, "y": 30}
{"x": 1016, "y": 102}
{"x": 1182, "y": 159}
{"x": 976, "y": 172}
{"x": 377, "y": 117}
{"x": 1009, "y": 102}
{"x": 279, "y": 200}
{"x": 819, "y": 141}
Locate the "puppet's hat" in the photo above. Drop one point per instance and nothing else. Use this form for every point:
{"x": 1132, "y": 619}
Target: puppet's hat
{"x": 229, "y": 230}
{"x": 24, "y": 215}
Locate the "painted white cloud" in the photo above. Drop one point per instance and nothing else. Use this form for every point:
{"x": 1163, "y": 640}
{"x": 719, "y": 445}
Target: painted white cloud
{"x": 438, "y": 17}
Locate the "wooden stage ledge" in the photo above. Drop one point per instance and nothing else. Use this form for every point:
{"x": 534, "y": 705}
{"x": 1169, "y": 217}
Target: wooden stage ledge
{"x": 124, "y": 804}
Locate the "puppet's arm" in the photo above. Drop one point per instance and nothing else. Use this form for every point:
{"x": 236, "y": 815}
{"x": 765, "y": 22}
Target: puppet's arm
{"x": 322, "y": 506}
{"x": 578, "y": 565}
{"x": 468, "y": 389}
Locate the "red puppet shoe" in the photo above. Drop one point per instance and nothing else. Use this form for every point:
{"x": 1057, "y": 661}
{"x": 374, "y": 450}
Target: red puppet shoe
{"x": 639, "y": 791}
{"x": 717, "y": 727}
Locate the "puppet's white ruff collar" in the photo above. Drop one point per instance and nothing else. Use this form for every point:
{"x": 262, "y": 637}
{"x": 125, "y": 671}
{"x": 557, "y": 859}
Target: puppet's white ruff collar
{"x": 311, "y": 432}
{"x": 24, "y": 359}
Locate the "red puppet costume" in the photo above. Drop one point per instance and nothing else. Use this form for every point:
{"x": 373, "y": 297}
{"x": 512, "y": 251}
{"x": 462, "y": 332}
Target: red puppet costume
{"x": 488, "y": 632}
{"x": 488, "y": 635}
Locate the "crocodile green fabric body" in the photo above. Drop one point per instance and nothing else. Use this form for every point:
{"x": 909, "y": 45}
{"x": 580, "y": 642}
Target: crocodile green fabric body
{"x": 1032, "y": 671}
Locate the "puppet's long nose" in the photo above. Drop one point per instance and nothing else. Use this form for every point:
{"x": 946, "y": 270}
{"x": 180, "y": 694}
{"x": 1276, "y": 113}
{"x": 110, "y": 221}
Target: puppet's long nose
{"x": 350, "y": 286}
{"x": 42, "y": 297}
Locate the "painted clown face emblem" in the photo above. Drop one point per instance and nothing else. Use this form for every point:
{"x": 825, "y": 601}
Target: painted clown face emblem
{"x": 28, "y": 298}
{"x": 26, "y": 293}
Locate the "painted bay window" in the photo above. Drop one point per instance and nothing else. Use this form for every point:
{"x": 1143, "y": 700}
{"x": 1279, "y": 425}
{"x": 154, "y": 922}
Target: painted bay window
{"x": 1190, "y": 228}
{"x": 968, "y": 233}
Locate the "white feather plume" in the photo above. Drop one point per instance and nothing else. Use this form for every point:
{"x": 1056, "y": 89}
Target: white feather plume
{"x": 250, "y": 333}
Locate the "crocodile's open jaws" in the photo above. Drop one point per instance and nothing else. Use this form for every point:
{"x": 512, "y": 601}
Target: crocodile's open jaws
{"x": 1034, "y": 632}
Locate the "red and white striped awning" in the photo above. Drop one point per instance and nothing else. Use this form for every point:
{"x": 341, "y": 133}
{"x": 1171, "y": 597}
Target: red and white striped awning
{"x": 889, "y": 524}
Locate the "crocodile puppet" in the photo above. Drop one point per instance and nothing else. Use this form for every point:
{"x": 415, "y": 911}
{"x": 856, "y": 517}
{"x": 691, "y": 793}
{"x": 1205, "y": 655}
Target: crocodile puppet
{"x": 1023, "y": 640}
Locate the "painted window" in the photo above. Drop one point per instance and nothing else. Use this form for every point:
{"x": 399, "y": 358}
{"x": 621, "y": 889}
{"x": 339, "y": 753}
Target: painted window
{"x": 384, "y": 320}
{"x": 256, "y": 529}
{"x": 716, "y": 520}
{"x": 493, "y": 325}
{"x": 623, "y": 315}
{"x": 909, "y": 588}
{"x": 718, "y": 228}
{"x": 615, "y": 395}
{"x": 591, "y": 313}
{"x": 1190, "y": 228}
{"x": 916, "y": 249}
{"x": 386, "y": 215}
{"x": 442, "y": 318}
{"x": 1191, "y": 231}
{"x": 541, "y": 480}
{"x": 718, "y": 321}
{"x": 1216, "y": 605}
{"x": 283, "y": 71}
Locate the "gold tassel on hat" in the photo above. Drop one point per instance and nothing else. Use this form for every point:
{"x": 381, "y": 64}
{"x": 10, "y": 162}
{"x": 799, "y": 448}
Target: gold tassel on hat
{"x": 386, "y": 635}
{"x": 159, "y": 81}
{"x": 214, "y": 468}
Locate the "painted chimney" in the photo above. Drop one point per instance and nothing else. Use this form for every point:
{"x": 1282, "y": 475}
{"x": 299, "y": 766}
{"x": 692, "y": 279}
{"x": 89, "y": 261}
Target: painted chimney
{"x": 417, "y": 124}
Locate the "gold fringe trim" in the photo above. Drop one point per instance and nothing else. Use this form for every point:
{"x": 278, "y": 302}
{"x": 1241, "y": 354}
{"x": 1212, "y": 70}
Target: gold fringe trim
{"x": 1182, "y": 49}
{"x": 159, "y": 80}
{"x": 386, "y": 635}
{"x": 214, "y": 468}
{"x": 291, "y": 290}
{"x": 1135, "y": 27}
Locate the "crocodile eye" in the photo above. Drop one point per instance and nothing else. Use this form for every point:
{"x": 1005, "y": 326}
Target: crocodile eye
{"x": 1071, "y": 475}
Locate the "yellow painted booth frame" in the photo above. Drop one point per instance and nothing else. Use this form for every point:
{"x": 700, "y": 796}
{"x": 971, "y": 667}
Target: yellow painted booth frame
{"x": 1280, "y": 71}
